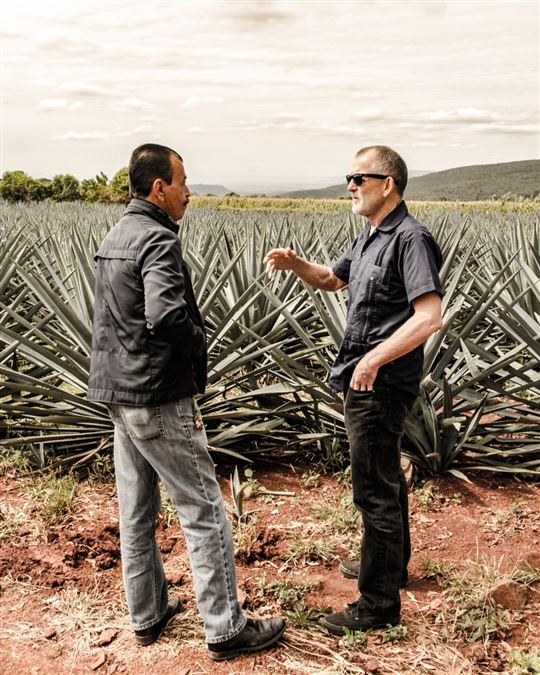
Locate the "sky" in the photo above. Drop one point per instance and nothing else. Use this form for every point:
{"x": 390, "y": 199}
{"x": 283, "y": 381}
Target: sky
{"x": 265, "y": 93}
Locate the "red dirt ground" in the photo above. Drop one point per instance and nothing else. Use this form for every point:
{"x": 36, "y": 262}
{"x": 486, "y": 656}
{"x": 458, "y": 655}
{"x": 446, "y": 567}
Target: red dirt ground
{"x": 495, "y": 519}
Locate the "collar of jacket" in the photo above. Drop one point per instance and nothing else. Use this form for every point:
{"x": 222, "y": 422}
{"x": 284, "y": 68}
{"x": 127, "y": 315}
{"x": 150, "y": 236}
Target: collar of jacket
{"x": 152, "y": 211}
{"x": 394, "y": 218}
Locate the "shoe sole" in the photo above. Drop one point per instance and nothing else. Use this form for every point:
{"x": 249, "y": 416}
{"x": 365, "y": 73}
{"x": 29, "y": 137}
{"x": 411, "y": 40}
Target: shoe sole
{"x": 169, "y": 614}
{"x": 233, "y": 653}
{"x": 340, "y": 630}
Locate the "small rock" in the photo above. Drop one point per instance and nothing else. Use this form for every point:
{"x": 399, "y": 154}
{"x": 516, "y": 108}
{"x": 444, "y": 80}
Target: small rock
{"x": 99, "y": 661}
{"x": 106, "y": 637}
{"x": 175, "y": 578}
{"x": 531, "y": 561}
{"x": 474, "y": 651}
{"x": 49, "y": 634}
{"x": 371, "y": 667}
{"x": 508, "y": 594}
{"x": 242, "y": 596}
{"x": 407, "y": 468}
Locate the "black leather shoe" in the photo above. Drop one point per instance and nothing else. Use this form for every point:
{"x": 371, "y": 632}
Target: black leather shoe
{"x": 357, "y": 617}
{"x": 257, "y": 634}
{"x": 148, "y": 635}
{"x": 350, "y": 568}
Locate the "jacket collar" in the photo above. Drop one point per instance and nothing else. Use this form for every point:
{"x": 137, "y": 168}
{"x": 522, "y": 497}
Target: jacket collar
{"x": 394, "y": 218}
{"x": 152, "y": 211}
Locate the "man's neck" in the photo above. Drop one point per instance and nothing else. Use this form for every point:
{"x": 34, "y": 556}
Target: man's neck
{"x": 385, "y": 209}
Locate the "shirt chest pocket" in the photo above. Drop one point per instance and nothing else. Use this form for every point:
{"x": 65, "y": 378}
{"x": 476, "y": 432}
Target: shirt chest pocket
{"x": 367, "y": 281}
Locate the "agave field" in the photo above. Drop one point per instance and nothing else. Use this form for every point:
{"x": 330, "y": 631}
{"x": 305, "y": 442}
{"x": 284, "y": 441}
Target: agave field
{"x": 271, "y": 342}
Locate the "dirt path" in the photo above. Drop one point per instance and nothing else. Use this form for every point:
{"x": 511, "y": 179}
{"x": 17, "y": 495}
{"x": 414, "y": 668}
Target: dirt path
{"x": 62, "y": 608}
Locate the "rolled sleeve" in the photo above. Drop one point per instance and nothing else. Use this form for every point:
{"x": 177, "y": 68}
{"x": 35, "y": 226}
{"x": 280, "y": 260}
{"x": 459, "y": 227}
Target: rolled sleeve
{"x": 420, "y": 261}
{"x": 342, "y": 267}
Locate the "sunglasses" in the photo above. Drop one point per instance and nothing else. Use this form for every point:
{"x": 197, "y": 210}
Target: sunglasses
{"x": 358, "y": 178}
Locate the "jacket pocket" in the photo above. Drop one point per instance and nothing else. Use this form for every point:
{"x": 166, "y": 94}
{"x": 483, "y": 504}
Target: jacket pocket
{"x": 143, "y": 422}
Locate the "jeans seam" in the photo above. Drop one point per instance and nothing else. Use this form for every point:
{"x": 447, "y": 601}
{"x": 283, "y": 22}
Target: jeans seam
{"x": 222, "y": 547}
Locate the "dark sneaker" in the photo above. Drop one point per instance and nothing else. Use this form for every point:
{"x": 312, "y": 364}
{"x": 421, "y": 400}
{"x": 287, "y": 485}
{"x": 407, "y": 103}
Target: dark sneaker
{"x": 350, "y": 569}
{"x": 356, "y": 617}
{"x": 148, "y": 635}
{"x": 257, "y": 634}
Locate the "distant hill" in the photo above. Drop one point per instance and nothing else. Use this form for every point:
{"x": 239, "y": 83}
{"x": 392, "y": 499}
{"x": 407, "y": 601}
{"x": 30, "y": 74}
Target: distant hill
{"x": 203, "y": 190}
{"x": 464, "y": 183}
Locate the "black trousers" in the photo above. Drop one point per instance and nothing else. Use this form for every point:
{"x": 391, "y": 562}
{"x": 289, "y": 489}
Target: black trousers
{"x": 374, "y": 422}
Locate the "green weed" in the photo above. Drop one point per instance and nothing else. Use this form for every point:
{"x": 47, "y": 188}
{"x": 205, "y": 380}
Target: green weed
{"x": 300, "y": 615}
{"x": 53, "y": 497}
{"x": 167, "y": 513}
{"x": 338, "y": 515}
{"x": 428, "y": 495}
{"x": 287, "y": 593}
{"x": 436, "y": 568}
{"x": 14, "y": 462}
{"x": 523, "y": 662}
{"x": 318, "y": 550}
{"x": 394, "y": 633}
{"x": 354, "y": 639}
{"x": 475, "y": 614}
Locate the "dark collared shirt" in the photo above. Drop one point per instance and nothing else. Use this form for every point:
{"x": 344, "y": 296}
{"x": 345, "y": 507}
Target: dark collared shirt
{"x": 385, "y": 271}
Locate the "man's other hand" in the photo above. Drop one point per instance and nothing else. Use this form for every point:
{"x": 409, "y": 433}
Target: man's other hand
{"x": 279, "y": 259}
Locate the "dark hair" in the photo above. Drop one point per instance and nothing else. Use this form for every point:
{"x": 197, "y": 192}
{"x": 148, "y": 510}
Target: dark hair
{"x": 390, "y": 163}
{"x": 148, "y": 162}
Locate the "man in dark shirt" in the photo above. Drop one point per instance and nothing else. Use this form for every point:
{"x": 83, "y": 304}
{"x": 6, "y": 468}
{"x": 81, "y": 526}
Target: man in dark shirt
{"x": 391, "y": 271}
{"x": 148, "y": 361}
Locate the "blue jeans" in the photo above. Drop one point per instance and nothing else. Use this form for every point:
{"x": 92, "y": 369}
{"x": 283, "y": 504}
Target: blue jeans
{"x": 168, "y": 442}
{"x": 374, "y": 422}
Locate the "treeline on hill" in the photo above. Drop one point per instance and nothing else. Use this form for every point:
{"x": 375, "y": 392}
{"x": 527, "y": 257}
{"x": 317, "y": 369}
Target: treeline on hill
{"x": 17, "y": 186}
{"x": 507, "y": 181}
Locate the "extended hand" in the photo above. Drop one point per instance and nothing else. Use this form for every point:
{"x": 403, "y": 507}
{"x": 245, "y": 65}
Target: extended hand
{"x": 279, "y": 259}
{"x": 364, "y": 375}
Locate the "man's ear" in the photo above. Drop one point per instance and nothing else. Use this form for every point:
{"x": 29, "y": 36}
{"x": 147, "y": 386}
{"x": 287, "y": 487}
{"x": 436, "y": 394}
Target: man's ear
{"x": 389, "y": 185}
{"x": 157, "y": 188}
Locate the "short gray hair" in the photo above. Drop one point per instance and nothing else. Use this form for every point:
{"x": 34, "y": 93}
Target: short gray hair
{"x": 390, "y": 163}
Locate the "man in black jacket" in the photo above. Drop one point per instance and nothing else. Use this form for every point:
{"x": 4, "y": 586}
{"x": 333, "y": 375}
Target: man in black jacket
{"x": 148, "y": 362}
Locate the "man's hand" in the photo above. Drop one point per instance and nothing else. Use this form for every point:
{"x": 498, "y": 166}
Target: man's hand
{"x": 364, "y": 375}
{"x": 279, "y": 259}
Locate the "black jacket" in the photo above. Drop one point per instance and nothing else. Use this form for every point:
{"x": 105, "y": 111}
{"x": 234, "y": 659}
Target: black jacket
{"x": 148, "y": 342}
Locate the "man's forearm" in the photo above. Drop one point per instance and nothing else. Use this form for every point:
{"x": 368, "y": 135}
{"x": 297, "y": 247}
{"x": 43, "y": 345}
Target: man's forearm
{"x": 413, "y": 333}
{"x": 318, "y": 276}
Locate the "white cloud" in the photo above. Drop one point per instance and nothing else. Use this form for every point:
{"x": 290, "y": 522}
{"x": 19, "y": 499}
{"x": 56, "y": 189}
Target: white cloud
{"x": 81, "y": 136}
{"x": 344, "y": 131}
{"x": 368, "y": 114}
{"x": 196, "y": 101}
{"x": 52, "y": 104}
{"x": 84, "y": 89}
{"x": 58, "y": 104}
{"x": 508, "y": 128}
{"x": 133, "y": 104}
{"x": 195, "y": 130}
{"x": 459, "y": 115}
{"x": 144, "y": 129}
